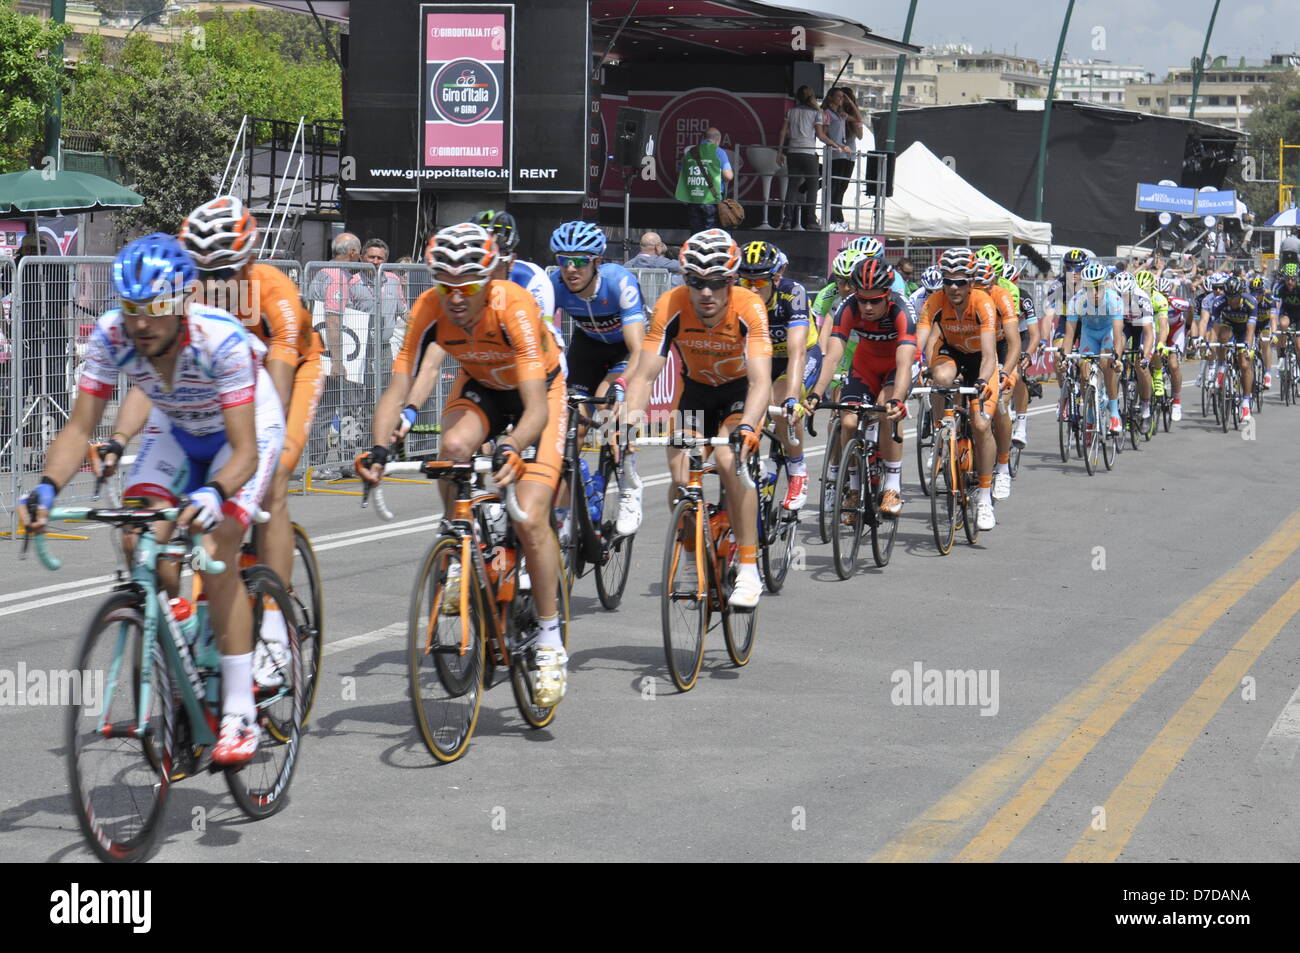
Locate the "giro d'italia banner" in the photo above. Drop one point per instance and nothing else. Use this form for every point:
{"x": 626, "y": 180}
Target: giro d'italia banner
{"x": 466, "y": 70}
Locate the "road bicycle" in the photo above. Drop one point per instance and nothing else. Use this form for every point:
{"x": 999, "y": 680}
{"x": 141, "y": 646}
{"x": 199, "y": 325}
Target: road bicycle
{"x": 304, "y": 586}
{"x": 826, "y": 489}
{"x": 1131, "y": 400}
{"x": 701, "y": 560}
{"x": 954, "y": 483}
{"x": 1098, "y": 444}
{"x": 1288, "y": 365}
{"x": 859, "y": 489}
{"x": 1228, "y": 387}
{"x": 1162, "y": 397}
{"x": 589, "y": 538}
{"x": 156, "y": 718}
{"x": 1069, "y": 407}
{"x": 472, "y": 610}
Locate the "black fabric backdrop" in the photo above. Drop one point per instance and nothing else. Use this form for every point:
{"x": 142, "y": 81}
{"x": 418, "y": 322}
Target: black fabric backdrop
{"x": 1096, "y": 158}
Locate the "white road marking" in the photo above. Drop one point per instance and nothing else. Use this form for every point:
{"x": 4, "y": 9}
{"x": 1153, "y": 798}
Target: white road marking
{"x": 57, "y": 587}
{"x": 355, "y": 641}
{"x": 1279, "y": 747}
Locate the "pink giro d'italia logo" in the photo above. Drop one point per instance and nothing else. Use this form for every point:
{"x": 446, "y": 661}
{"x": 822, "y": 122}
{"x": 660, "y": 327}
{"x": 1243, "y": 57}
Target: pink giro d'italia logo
{"x": 464, "y": 91}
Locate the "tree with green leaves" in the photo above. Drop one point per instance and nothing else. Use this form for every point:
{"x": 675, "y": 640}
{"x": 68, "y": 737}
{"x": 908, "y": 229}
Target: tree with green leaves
{"x": 173, "y": 135}
{"x": 1275, "y": 114}
{"x": 30, "y": 75}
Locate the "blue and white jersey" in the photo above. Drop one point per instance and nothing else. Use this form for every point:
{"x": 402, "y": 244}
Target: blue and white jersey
{"x": 1093, "y": 315}
{"x": 617, "y": 303}
{"x": 218, "y": 367}
{"x": 917, "y": 299}
{"x": 899, "y": 287}
{"x": 537, "y": 283}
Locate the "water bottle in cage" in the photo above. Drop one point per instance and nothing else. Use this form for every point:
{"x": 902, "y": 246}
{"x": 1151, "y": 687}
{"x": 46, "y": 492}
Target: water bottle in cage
{"x": 497, "y": 522}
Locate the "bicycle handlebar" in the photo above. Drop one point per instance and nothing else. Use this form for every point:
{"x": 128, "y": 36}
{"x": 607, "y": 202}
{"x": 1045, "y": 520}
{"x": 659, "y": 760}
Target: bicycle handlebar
{"x": 198, "y": 557}
{"x": 685, "y": 442}
{"x": 481, "y": 464}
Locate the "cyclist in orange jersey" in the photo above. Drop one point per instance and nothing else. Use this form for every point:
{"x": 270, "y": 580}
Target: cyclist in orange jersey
{"x": 510, "y": 373}
{"x": 957, "y": 330}
{"x": 1008, "y": 334}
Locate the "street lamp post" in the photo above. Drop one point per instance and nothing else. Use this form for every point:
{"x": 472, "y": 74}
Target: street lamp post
{"x": 1047, "y": 115}
{"x": 1200, "y": 63}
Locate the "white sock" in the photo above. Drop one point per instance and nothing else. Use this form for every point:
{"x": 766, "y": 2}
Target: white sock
{"x": 894, "y": 476}
{"x": 748, "y": 570}
{"x": 237, "y": 685}
{"x": 986, "y": 494}
{"x": 549, "y": 635}
{"x": 1021, "y": 418}
{"x": 833, "y": 472}
{"x": 1002, "y": 468}
{"x": 1146, "y": 407}
{"x": 796, "y": 467}
{"x": 273, "y": 628}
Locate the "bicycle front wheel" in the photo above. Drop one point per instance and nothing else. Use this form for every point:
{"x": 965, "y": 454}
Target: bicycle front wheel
{"x": 1092, "y": 426}
{"x": 445, "y": 650}
{"x": 1064, "y": 426}
{"x": 305, "y": 588}
{"x": 943, "y": 498}
{"x": 612, "y": 572}
{"x": 848, "y": 511}
{"x": 771, "y": 520}
{"x": 883, "y": 532}
{"x": 684, "y": 607}
{"x": 826, "y": 490}
{"x": 924, "y": 446}
{"x": 119, "y": 780}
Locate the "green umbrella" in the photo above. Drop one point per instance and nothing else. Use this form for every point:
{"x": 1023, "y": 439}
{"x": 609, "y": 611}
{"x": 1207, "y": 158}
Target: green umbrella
{"x": 63, "y": 193}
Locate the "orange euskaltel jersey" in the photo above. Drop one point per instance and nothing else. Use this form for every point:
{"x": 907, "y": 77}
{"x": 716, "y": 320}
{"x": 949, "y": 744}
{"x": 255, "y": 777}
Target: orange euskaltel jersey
{"x": 281, "y": 321}
{"x": 1008, "y": 318}
{"x": 716, "y": 355}
{"x": 959, "y": 331}
{"x": 507, "y": 345}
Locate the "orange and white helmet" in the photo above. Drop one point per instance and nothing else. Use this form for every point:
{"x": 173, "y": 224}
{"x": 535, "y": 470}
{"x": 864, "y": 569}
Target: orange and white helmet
{"x": 463, "y": 251}
{"x": 710, "y": 254}
{"x": 220, "y": 234}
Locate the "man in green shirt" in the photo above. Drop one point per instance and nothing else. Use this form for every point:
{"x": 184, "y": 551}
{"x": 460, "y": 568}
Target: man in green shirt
{"x": 701, "y": 181}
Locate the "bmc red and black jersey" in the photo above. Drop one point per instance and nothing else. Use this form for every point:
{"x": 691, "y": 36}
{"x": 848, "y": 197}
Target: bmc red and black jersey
{"x": 877, "y": 340}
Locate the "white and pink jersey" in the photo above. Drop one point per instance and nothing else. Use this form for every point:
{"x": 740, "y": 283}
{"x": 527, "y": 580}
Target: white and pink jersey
{"x": 217, "y": 368}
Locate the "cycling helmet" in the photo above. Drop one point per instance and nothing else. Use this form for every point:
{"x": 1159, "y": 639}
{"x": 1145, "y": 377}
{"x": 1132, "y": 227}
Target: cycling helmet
{"x": 1291, "y": 270}
{"x": 710, "y": 254}
{"x": 983, "y": 274}
{"x": 1217, "y": 280}
{"x": 993, "y": 256}
{"x": 1167, "y": 286}
{"x": 153, "y": 268}
{"x": 1112, "y": 270}
{"x": 502, "y": 225}
{"x": 578, "y": 238}
{"x": 1258, "y": 285}
{"x": 958, "y": 261}
{"x": 1146, "y": 281}
{"x": 1094, "y": 273}
{"x": 1075, "y": 258}
{"x": 932, "y": 278}
{"x": 1011, "y": 271}
{"x": 220, "y": 234}
{"x": 872, "y": 274}
{"x": 867, "y": 244}
{"x": 760, "y": 260}
{"x": 842, "y": 266}
{"x": 463, "y": 251}
{"x": 1234, "y": 288}
{"x": 1125, "y": 283}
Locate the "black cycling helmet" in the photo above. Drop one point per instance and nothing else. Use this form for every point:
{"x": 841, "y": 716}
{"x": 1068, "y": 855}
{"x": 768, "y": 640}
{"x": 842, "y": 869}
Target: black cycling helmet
{"x": 1075, "y": 258}
{"x": 872, "y": 274}
{"x": 1257, "y": 284}
{"x": 1234, "y": 287}
{"x": 759, "y": 260}
{"x": 502, "y": 225}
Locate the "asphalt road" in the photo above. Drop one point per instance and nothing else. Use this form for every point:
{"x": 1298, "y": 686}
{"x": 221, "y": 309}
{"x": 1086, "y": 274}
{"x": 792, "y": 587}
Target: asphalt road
{"x": 1133, "y": 632}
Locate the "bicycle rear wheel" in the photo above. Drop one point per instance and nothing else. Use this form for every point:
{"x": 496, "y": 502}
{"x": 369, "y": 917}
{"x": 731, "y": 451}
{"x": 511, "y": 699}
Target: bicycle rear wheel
{"x": 770, "y": 519}
{"x": 848, "y": 512}
{"x": 119, "y": 783}
{"x": 684, "y": 613}
{"x": 1091, "y": 426}
{"x": 1065, "y": 425}
{"x": 943, "y": 501}
{"x": 970, "y": 494}
{"x": 612, "y": 572}
{"x": 739, "y": 627}
{"x": 305, "y": 588}
{"x": 260, "y": 785}
{"x": 521, "y": 615}
{"x": 924, "y": 445}
{"x": 445, "y": 653}
{"x": 826, "y": 499}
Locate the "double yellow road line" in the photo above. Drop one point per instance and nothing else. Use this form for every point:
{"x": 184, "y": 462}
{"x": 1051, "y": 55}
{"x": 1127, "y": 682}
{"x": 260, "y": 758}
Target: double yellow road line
{"x": 1025, "y": 775}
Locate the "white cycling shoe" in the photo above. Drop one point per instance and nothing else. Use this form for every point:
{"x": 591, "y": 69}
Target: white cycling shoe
{"x": 984, "y": 518}
{"x": 550, "y": 680}
{"x": 1001, "y": 486}
{"x": 747, "y": 591}
{"x": 629, "y": 510}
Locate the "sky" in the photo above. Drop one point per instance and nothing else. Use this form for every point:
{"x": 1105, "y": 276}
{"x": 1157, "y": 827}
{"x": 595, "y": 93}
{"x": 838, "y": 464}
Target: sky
{"x": 1158, "y": 36}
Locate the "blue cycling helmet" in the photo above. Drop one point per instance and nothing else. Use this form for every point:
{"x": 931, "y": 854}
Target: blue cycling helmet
{"x": 573, "y": 238}
{"x": 152, "y": 268}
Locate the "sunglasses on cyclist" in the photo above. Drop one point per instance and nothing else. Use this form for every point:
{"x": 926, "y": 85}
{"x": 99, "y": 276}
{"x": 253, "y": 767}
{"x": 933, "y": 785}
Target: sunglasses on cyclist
{"x": 956, "y": 282}
{"x": 872, "y": 298}
{"x": 155, "y": 307}
{"x": 468, "y": 289}
{"x": 713, "y": 284}
{"x": 573, "y": 261}
{"x": 755, "y": 282}
{"x": 221, "y": 274}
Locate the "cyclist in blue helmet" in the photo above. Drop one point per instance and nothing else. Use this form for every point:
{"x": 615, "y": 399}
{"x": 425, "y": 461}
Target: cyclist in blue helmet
{"x": 212, "y": 447}
{"x": 604, "y": 301}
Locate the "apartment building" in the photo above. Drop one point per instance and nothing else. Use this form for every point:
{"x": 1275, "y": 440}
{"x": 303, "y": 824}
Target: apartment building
{"x": 942, "y": 76}
{"x": 1098, "y": 81}
{"x": 1224, "y": 96}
